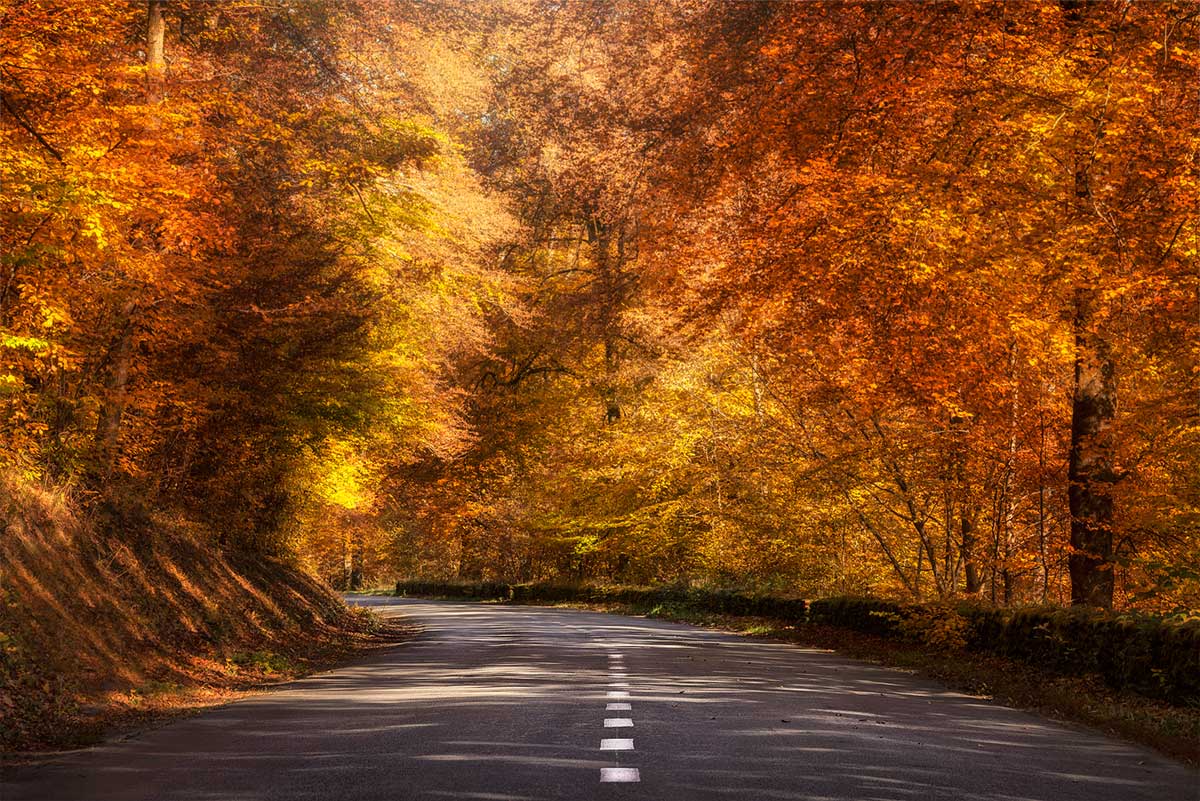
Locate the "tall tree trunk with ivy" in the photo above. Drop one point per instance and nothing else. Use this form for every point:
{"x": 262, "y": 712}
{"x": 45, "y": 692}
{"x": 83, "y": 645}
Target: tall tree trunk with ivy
{"x": 1091, "y": 472}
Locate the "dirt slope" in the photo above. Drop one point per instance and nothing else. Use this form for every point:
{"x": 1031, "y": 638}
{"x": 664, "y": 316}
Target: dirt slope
{"x": 98, "y": 629}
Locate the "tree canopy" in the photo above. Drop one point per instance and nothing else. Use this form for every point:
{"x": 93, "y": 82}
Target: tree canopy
{"x": 892, "y": 299}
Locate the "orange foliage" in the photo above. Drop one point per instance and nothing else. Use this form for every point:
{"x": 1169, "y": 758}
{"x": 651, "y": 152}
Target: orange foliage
{"x": 890, "y": 298}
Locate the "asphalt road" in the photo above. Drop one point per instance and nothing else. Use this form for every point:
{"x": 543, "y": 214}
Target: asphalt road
{"x": 502, "y": 702}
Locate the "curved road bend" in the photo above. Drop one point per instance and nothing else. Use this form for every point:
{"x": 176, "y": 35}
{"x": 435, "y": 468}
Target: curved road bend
{"x": 510, "y": 702}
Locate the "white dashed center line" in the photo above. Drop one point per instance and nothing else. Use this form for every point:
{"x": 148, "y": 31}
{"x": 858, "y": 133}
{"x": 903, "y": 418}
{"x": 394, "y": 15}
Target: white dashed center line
{"x": 616, "y": 745}
{"x": 617, "y": 678}
{"x": 619, "y": 775}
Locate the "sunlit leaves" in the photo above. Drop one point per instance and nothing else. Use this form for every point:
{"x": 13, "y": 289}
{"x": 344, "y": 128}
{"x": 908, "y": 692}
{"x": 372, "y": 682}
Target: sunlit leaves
{"x": 772, "y": 293}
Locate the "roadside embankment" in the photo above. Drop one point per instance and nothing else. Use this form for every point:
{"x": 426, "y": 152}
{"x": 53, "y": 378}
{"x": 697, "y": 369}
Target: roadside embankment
{"x": 102, "y": 627}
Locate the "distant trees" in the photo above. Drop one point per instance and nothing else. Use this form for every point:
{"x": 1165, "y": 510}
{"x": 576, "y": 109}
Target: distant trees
{"x": 874, "y": 238}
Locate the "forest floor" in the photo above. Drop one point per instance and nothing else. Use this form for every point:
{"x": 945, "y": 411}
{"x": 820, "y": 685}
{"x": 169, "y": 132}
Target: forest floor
{"x": 1084, "y": 700}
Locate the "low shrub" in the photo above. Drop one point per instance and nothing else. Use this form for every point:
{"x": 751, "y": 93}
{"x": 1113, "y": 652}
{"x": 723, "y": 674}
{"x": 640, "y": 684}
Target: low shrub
{"x": 1156, "y": 657}
{"x": 939, "y": 627}
{"x": 483, "y": 591}
{"x": 868, "y": 615}
{"x": 726, "y": 602}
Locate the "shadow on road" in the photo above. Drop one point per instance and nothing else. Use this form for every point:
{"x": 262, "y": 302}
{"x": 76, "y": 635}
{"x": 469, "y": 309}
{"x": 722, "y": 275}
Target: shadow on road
{"x": 506, "y": 703}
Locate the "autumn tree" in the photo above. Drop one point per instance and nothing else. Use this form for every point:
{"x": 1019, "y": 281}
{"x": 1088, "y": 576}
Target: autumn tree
{"x": 890, "y": 298}
{"x": 230, "y": 260}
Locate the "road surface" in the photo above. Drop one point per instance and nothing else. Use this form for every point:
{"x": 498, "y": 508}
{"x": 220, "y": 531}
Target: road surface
{"x": 510, "y": 702}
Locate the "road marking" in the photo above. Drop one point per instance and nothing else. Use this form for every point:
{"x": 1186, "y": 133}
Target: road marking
{"x": 619, "y": 775}
{"x": 616, "y": 745}
{"x": 617, "y": 678}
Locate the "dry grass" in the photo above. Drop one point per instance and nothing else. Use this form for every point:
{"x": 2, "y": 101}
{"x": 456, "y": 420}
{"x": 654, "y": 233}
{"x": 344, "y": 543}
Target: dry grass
{"x": 103, "y": 630}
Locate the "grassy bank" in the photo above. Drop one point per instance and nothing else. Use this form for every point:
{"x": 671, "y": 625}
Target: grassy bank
{"x": 1086, "y": 698}
{"x": 104, "y": 628}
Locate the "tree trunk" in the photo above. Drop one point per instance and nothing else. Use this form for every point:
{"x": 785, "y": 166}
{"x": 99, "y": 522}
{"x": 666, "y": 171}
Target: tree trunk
{"x": 1091, "y": 471}
{"x": 966, "y": 510}
{"x": 974, "y": 580}
{"x": 355, "y": 580}
{"x": 156, "y": 65}
{"x": 607, "y": 268}
{"x": 108, "y": 427}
